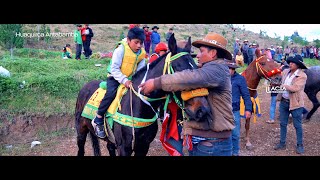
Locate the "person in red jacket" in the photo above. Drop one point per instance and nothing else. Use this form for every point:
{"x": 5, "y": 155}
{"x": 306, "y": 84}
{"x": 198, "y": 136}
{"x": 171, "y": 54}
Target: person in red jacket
{"x": 160, "y": 50}
{"x": 147, "y": 41}
{"x": 133, "y": 25}
{"x": 83, "y": 37}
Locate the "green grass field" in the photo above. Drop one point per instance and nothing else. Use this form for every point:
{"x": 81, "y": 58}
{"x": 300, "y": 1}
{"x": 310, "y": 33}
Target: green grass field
{"x": 51, "y": 83}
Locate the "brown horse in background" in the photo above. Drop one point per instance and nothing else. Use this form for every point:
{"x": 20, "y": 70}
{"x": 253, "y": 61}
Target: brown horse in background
{"x": 257, "y": 69}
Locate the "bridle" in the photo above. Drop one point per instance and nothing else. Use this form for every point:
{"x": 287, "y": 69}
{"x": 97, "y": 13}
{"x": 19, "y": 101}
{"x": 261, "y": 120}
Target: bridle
{"x": 263, "y": 72}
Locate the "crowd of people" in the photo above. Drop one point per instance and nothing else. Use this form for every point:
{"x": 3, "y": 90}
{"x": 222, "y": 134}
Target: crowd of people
{"x": 244, "y": 53}
{"x": 82, "y": 40}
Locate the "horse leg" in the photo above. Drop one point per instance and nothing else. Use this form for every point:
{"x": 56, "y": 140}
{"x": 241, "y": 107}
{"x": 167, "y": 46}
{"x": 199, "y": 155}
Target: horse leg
{"x": 95, "y": 144}
{"x": 248, "y": 143}
{"x": 313, "y": 98}
{"x": 111, "y": 148}
{"x": 142, "y": 144}
{"x": 81, "y": 139}
{"x": 125, "y": 149}
{"x": 141, "y": 148}
{"x": 124, "y": 138}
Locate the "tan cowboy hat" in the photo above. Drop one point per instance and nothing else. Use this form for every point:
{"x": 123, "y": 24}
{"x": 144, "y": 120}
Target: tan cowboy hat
{"x": 216, "y": 41}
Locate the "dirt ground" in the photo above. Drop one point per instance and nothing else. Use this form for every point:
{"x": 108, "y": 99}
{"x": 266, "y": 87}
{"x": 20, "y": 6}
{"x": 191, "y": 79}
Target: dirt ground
{"x": 58, "y": 137}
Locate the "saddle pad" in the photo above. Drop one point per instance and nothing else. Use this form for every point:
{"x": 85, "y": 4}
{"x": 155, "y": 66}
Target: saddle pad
{"x": 116, "y": 102}
{"x": 256, "y": 108}
{"x": 90, "y": 109}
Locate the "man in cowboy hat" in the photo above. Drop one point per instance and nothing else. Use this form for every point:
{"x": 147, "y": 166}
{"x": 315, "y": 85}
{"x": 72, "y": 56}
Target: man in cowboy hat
{"x": 213, "y": 132}
{"x": 147, "y": 41}
{"x": 292, "y": 101}
{"x": 236, "y": 48}
{"x": 244, "y": 50}
{"x": 239, "y": 89}
{"x": 155, "y": 38}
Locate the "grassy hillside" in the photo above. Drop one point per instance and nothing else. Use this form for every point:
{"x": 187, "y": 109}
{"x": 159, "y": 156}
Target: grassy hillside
{"x": 51, "y": 84}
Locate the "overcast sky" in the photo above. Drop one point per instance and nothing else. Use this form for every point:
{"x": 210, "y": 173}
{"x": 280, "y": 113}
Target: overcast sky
{"x": 308, "y": 31}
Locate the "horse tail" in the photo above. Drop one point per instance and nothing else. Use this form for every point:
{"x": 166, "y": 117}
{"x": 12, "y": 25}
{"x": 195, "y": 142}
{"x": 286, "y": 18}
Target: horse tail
{"x": 81, "y": 123}
{"x": 77, "y": 111}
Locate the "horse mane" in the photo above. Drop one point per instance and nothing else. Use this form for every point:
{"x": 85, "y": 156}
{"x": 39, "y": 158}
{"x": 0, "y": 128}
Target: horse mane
{"x": 151, "y": 66}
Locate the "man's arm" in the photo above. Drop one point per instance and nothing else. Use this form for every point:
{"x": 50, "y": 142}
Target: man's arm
{"x": 116, "y": 60}
{"x": 193, "y": 79}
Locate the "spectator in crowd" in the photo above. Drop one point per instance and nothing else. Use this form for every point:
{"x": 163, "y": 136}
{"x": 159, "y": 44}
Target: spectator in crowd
{"x": 236, "y": 48}
{"x": 133, "y": 25}
{"x": 169, "y": 33}
{"x": 251, "y": 52}
{"x": 160, "y": 50}
{"x": 287, "y": 52}
{"x": 147, "y": 42}
{"x": 273, "y": 107}
{"x": 292, "y": 101}
{"x": 155, "y": 38}
{"x": 88, "y": 34}
{"x": 68, "y": 49}
{"x": 273, "y": 52}
{"x": 65, "y": 54}
{"x": 244, "y": 50}
{"x": 78, "y": 41}
{"x": 239, "y": 89}
{"x": 239, "y": 59}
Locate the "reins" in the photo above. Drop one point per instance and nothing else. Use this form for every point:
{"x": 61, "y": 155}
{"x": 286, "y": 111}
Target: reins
{"x": 167, "y": 68}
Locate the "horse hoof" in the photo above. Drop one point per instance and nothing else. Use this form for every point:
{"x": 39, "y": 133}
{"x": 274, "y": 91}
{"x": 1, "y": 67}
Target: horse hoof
{"x": 249, "y": 147}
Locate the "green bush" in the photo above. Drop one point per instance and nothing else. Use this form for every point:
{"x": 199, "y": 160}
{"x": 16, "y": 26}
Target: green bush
{"x": 7, "y": 85}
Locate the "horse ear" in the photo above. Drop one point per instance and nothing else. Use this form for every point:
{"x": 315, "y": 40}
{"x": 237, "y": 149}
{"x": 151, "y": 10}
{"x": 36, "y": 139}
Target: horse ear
{"x": 188, "y": 45}
{"x": 172, "y": 44}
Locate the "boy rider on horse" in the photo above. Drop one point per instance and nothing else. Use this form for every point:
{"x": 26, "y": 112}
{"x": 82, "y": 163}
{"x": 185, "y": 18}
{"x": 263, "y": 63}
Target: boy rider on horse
{"x": 127, "y": 58}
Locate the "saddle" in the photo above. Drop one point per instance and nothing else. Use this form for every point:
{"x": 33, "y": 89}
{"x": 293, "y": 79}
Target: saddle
{"x": 90, "y": 109}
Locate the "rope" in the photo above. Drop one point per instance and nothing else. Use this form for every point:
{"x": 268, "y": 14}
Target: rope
{"x": 133, "y": 136}
{"x": 252, "y": 89}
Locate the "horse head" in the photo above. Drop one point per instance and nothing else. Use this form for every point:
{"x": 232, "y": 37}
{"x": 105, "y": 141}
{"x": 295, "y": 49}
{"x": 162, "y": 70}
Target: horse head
{"x": 268, "y": 69}
{"x": 180, "y": 59}
{"x": 196, "y": 107}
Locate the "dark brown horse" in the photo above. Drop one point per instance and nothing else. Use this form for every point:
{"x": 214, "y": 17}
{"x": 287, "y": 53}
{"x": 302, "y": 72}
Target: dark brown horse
{"x": 258, "y": 69}
{"x": 137, "y": 140}
{"x": 312, "y": 88}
